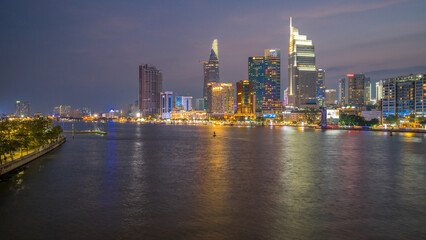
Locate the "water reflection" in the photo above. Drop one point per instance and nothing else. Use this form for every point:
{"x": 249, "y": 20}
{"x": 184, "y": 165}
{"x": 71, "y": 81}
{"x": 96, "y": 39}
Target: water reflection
{"x": 180, "y": 182}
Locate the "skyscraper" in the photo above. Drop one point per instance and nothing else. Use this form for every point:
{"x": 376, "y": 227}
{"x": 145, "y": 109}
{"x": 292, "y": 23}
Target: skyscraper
{"x": 320, "y": 86}
{"x": 256, "y": 75}
{"x": 404, "y": 96}
{"x": 245, "y": 99}
{"x": 220, "y": 99}
{"x": 329, "y": 97}
{"x": 286, "y": 97}
{"x": 166, "y": 103}
{"x": 22, "y": 109}
{"x": 379, "y": 90}
{"x": 272, "y": 88}
{"x": 343, "y": 92}
{"x": 150, "y": 86}
{"x": 302, "y": 74}
{"x": 211, "y": 69}
{"x": 357, "y": 89}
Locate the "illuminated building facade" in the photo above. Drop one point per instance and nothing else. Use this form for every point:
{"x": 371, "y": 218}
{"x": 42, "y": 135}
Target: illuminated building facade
{"x": 199, "y": 104}
{"x": 256, "y": 75}
{"x": 343, "y": 92}
{"x": 220, "y": 99}
{"x": 150, "y": 86}
{"x": 286, "y": 97}
{"x": 272, "y": 103}
{"x": 211, "y": 69}
{"x": 355, "y": 90}
{"x": 245, "y": 99}
{"x": 329, "y": 97}
{"x": 22, "y": 109}
{"x": 62, "y": 111}
{"x": 320, "y": 86}
{"x": 184, "y": 101}
{"x": 166, "y": 102}
{"x": 404, "y": 96}
{"x": 302, "y": 73}
{"x": 379, "y": 90}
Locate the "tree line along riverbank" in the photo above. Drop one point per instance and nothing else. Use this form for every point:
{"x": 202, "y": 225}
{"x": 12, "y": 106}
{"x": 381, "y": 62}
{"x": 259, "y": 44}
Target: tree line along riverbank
{"x": 24, "y": 136}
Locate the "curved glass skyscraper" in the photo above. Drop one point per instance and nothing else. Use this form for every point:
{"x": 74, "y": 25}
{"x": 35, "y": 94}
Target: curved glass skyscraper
{"x": 302, "y": 73}
{"x": 211, "y": 69}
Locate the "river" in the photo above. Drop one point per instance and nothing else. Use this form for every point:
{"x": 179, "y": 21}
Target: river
{"x": 180, "y": 182}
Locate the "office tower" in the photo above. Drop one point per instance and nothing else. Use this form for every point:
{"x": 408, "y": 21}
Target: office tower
{"x": 302, "y": 73}
{"x": 256, "y": 75}
{"x": 187, "y": 103}
{"x": 379, "y": 90}
{"x": 272, "y": 88}
{"x": 286, "y": 97}
{"x": 329, "y": 97}
{"x": 343, "y": 92}
{"x": 320, "y": 86}
{"x": 367, "y": 91}
{"x": 199, "y": 104}
{"x": 404, "y": 96}
{"x": 166, "y": 104}
{"x": 22, "y": 109}
{"x": 220, "y": 99}
{"x": 178, "y": 101}
{"x": 150, "y": 86}
{"x": 357, "y": 89}
{"x": 245, "y": 99}
{"x": 211, "y": 69}
{"x": 62, "y": 111}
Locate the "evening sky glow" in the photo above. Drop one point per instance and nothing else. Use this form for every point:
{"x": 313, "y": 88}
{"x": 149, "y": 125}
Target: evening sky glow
{"x": 86, "y": 53}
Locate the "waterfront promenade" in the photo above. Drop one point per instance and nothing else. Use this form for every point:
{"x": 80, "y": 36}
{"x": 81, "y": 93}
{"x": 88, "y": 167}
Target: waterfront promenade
{"x": 11, "y": 165}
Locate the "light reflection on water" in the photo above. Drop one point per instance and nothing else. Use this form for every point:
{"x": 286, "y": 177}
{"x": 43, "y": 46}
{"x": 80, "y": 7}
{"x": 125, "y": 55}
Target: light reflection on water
{"x": 162, "y": 182}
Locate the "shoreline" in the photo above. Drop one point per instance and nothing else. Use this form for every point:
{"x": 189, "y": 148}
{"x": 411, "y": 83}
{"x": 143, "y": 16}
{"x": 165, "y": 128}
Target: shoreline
{"x": 389, "y": 130}
{"x": 24, "y": 160}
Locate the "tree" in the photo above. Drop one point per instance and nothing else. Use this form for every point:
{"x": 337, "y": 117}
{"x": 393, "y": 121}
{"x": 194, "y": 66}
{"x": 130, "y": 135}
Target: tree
{"x": 392, "y": 119}
{"x": 310, "y": 114}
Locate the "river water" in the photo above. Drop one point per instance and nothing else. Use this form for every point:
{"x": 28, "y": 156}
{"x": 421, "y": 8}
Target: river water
{"x": 180, "y": 182}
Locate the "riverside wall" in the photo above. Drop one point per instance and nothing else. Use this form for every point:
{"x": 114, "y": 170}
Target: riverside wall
{"x": 19, "y": 162}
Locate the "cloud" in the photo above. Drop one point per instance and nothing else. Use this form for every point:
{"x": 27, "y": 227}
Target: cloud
{"x": 325, "y": 10}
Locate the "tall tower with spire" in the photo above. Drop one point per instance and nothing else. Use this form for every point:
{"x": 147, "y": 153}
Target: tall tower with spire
{"x": 211, "y": 70}
{"x": 302, "y": 73}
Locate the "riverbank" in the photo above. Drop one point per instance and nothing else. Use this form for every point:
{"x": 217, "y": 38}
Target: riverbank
{"x": 19, "y": 162}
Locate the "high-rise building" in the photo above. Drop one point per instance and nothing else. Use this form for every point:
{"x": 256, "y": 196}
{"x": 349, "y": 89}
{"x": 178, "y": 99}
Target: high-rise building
{"x": 62, "y": 111}
{"x": 286, "y": 97}
{"x": 343, "y": 92}
{"x": 184, "y": 101}
{"x": 211, "y": 69}
{"x": 379, "y": 90}
{"x": 166, "y": 103}
{"x": 256, "y": 75}
{"x": 320, "y": 86}
{"x": 245, "y": 99}
{"x": 199, "y": 104}
{"x": 187, "y": 103}
{"x": 272, "y": 103}
{"x": 22, "y": 109}
{"x": 404, "y": 96}
{"x": 302, "y": 72}
{"x": 220, "y": 99}
{"x": 178, "y": 101}
{"x": 329, "y": 97}
{"x": 355, "y": 90}
{"x": 150, "y": 86}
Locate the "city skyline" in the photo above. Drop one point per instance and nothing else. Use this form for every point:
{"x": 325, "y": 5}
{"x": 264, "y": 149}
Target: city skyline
{"x": 63, "y": 53}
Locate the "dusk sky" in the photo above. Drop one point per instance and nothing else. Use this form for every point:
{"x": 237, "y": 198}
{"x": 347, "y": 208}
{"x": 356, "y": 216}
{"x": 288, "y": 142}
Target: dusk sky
{"x": 86, "y": 53}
